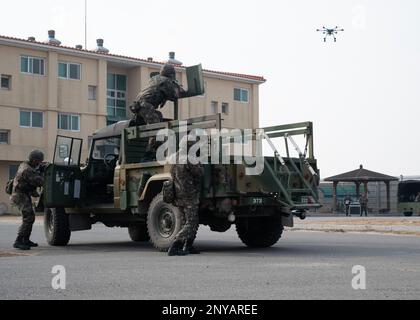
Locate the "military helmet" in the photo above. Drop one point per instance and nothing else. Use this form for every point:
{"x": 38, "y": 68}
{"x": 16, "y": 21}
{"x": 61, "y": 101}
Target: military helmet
{"x": 168, "y": 70}
{"x": 36, "y": 155}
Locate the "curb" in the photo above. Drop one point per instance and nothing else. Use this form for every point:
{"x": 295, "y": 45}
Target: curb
{"x": 399, "y": 230}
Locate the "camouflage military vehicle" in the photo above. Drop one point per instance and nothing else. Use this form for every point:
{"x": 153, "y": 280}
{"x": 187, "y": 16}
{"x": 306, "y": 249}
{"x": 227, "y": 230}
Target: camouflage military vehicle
{"x": 118, "y": 189}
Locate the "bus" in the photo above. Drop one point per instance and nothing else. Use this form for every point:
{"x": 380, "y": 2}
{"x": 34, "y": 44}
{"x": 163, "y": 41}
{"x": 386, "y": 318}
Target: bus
{"x": 408, "y": 191}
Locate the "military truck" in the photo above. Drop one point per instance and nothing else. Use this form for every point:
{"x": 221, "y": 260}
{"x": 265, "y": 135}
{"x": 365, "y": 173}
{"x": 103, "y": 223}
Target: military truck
{"x": 117, "y": 188}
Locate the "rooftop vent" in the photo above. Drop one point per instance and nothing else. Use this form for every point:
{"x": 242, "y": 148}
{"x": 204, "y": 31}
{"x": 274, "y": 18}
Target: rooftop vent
{"x": 79, "y": 47}
{"x": 52, "y": 39}
{"x": 31, "y": 39}
{"x": 172, "y": 59}
{"x": 100, "y": 46}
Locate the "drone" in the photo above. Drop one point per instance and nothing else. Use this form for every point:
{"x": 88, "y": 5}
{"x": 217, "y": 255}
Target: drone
{"x": 330, "y": 32}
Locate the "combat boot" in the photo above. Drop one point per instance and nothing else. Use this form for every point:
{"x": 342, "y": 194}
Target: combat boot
{"x": 193, "y": 250}
{"x": 30, "y": 243}
{"x": 20, "y": 244}
{"x": 176, "y": 249}
{"x": 188, "y": 246}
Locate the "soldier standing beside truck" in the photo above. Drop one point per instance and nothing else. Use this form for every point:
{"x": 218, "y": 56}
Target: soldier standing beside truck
{"x": 187, "y": 184}
{"x": 27, "y": 179}
{"x": 160, "y": 89}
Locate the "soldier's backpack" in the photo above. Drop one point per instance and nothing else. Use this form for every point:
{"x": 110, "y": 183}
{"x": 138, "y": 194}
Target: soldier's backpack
{"x": 168, "y": 191}
{"x": 9, "y": 186}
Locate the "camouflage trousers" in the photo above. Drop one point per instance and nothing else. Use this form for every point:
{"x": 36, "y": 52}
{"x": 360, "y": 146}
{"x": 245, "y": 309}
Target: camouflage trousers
{"x": 190, "y": 228}
{"x": 150, "y": 115}
{"x": 148, "y": 112}
{"x": 24, "y": 203}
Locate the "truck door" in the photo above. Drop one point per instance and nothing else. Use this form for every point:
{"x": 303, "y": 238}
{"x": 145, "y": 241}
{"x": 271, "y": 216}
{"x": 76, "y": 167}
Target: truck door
{"x": 63, "y": 186}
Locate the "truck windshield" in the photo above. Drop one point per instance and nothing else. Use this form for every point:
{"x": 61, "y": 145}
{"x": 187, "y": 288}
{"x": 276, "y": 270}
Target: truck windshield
{"x": 106, "y": 146}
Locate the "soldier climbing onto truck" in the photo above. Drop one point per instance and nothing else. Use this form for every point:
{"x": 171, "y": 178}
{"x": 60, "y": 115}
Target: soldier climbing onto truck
{"x": 161, "y": 88}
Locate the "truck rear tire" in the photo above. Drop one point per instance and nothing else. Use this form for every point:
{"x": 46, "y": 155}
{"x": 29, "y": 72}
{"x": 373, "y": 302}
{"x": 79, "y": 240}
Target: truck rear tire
{"x": 164, "y": 221}
{"x": 56, "y": 227}
{"x": 261, "y": 232}
{"x": 138, "y": 233}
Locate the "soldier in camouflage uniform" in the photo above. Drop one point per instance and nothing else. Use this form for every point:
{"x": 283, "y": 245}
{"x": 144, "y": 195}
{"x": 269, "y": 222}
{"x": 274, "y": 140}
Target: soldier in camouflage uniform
{"x": 160, "y": 89}
{"x": 187, "y": 183}
{"x": 27, "y": 179}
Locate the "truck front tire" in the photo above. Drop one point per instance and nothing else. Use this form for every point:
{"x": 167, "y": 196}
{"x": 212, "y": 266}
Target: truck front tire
{"x": 56, "y": 227}
{"x": 260, "y": 232}
{"x": 138, "y": 233}
{"x": 164, "y": 221}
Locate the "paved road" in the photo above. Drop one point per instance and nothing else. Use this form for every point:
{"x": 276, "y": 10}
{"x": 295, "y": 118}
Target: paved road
{"x": 104, "y": 264}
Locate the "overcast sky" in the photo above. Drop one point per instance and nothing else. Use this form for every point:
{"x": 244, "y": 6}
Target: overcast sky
{"x": 362, "y": 93}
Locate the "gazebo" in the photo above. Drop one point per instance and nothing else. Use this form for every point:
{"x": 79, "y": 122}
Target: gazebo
{"x": 359, "y": 177}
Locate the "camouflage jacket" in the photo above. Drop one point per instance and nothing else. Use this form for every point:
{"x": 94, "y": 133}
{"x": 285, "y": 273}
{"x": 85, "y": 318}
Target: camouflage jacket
{"x": 159, "y": 90}
{"x": 187, "y": 182}
{"x": 27, "y": 179}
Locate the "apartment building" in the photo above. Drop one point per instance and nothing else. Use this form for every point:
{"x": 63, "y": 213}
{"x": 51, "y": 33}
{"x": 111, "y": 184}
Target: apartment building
{"x": 48, "y": 89}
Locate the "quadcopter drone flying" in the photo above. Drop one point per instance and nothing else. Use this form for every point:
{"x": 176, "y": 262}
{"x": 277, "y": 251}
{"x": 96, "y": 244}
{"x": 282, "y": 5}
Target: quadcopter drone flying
{"x": 330, "y": 32}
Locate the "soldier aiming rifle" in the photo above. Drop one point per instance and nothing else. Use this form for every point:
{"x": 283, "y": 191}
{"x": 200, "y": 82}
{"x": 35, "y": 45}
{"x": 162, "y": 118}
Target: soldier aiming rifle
{"x": 29, "y": 177}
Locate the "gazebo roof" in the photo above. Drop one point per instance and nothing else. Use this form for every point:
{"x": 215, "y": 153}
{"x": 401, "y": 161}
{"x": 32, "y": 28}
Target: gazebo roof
{"x": 361, "y": 175}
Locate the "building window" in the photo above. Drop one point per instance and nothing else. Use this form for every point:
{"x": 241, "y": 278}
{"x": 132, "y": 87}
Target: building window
{"x": 225, "y": 108}
{"x": 6, "y": 82}
{"x": 32, "y": 65}
{"x": 13, "y": 168}
{"x": 4, "y": 136}
{"x": 154, "y": 74}
{"x": 92, "y": 92}
{"x": 241, "y": 95}
{"x": 68, "y": 122}
{"x": 116, "y": 96}
{"x": 214, "y": 107}
{"x": 31, "y": 119}
{"x": 67, "y": 70}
